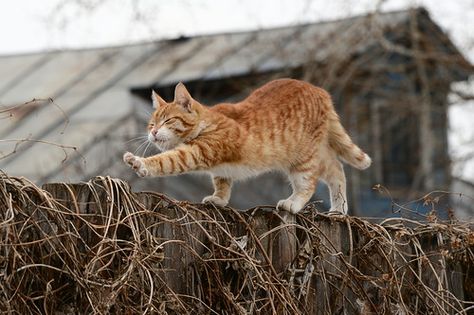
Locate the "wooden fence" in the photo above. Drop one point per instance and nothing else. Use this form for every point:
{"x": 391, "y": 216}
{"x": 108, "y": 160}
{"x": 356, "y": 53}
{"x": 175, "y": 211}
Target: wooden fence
{"x": 97, "y": 247}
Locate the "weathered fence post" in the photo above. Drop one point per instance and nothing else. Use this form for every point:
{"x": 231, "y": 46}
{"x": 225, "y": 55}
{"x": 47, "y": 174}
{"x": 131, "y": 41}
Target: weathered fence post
{"x": 97, "y": 247}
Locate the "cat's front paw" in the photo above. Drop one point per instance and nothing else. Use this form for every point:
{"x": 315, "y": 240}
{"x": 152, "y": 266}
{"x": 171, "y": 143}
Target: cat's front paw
{"x": 290, "y": 205}
{"x": 215, "y": 200}
{"x": 136, "y": 163}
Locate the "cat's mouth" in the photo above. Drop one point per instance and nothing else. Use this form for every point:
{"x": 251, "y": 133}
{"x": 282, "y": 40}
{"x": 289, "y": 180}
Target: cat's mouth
{"x": 163, "y": 140}
{"x": 157, "y": 138}
{"x": 161, "y": 143}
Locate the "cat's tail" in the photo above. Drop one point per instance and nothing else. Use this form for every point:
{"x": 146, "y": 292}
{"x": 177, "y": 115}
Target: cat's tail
{"x": 342, "y": 144}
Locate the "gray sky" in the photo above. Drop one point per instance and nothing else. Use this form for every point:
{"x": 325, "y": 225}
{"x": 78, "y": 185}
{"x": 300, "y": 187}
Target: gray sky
{"x": 33, "y": 25}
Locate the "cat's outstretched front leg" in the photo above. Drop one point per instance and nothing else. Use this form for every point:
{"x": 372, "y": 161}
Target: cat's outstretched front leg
{"x": 222, "y": 189}
{"x": 168, "y": 163}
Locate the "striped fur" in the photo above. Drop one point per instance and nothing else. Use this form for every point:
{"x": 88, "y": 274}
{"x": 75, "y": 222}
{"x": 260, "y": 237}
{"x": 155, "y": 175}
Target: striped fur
{"x": 286, "y": 125}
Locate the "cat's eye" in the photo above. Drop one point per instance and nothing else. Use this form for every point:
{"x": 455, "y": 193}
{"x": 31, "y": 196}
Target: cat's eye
{"x": 169, "y": 120}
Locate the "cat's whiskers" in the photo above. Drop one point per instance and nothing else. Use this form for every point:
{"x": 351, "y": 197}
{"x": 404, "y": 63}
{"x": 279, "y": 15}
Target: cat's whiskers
{"x": 146, "y": 148}
{"x": 140, "y": 146}
{"x": 137, "y": 138}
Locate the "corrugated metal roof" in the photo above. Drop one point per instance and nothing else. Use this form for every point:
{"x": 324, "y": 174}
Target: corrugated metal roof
{"x": 163, "y": 62}
{"x": 218, "y": 48}
{"x": 47, "y": 80}
{"x": 48, "y": 121}
{"x": 251, "y": 55}
{"x": 14, "y": 69}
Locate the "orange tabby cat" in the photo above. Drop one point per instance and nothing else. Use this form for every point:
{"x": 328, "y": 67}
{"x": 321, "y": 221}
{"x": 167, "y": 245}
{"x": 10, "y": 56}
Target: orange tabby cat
{"x": 286, "y": 125}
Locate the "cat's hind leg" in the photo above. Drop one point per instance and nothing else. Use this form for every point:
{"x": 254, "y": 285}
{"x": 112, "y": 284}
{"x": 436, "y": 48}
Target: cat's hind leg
{"x": 303, "y": 184}
{"x": 222, "y": 190}
{"x": 336, "y": 181}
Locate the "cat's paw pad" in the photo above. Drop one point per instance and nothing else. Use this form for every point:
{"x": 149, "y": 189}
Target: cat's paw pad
{"x": 128, "y": 158}
{"x": 215, "y": 200}
{"x": 290, "y": 205}
{"x": 136, "y": 163}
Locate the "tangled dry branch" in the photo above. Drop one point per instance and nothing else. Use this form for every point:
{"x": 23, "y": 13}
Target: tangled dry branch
{"x": 99, "y": 248}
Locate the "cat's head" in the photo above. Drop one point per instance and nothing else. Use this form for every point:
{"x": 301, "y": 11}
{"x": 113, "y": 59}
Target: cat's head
{"x": 174, "y": 123}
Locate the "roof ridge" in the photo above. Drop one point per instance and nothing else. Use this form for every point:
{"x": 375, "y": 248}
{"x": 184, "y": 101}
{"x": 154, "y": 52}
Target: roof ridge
{"x": 225, "y": 33}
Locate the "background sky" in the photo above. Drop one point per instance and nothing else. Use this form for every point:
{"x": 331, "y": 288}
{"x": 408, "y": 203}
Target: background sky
{"x": 32, "y": 25}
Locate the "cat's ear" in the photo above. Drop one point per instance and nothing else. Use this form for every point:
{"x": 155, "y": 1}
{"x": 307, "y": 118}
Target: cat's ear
{"x": 157, "y": 100}
{"x": 182, "y": 97}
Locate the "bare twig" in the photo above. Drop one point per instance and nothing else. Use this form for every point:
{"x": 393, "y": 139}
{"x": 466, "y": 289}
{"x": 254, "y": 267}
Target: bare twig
{"x": 18, "y": 142}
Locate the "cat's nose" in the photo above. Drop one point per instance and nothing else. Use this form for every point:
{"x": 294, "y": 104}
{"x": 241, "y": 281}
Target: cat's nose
{"x": 154, "y": 132}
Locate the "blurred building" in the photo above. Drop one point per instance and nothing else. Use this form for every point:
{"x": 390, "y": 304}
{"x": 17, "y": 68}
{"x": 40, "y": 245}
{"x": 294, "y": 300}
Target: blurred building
{"x": 389, "y": 75}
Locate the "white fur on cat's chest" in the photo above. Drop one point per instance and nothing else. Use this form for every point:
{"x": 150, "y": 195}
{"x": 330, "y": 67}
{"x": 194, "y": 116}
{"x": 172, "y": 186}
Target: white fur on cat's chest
{"x": 236, "y": 172}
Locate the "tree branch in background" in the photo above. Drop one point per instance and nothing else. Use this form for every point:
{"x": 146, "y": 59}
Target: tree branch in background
{"x": 16, "y": 110}
{"x": 22, "y": 110}
{"x": 462, "y": 95}
{"x": 18, "y": 142}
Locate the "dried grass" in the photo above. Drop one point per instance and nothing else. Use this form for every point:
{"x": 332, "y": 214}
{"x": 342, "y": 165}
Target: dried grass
{"x": 99, "y": 248}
